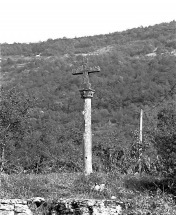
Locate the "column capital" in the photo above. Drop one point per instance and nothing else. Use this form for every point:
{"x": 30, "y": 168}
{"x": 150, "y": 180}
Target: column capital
{"x": 87, "y": 93}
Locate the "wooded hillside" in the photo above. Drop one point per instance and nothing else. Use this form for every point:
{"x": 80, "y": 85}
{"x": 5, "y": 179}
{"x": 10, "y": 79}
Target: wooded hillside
{"x": 41, "y": 121}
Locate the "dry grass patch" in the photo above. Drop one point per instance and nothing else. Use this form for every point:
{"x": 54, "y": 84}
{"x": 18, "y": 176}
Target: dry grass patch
{"x": 53, "y": 185}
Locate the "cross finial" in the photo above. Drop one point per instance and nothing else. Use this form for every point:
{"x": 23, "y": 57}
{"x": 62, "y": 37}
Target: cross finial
{"x": 85, "y": 60}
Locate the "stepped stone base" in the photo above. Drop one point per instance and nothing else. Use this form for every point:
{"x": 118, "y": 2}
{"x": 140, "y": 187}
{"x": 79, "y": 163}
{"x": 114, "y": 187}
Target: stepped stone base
{"x": 61, "y": 206}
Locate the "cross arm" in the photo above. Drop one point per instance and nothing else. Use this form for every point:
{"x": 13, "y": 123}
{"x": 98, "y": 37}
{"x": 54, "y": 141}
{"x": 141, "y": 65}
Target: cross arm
{"x": 81, "y": 70}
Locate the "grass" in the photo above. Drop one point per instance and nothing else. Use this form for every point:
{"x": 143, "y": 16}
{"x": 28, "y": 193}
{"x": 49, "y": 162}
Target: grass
{"x": 26, "y": 186}
{"x": 130, "y": 189}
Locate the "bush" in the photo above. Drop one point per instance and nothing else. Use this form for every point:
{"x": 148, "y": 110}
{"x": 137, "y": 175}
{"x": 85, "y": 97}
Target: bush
{"x": 165, "y": 138}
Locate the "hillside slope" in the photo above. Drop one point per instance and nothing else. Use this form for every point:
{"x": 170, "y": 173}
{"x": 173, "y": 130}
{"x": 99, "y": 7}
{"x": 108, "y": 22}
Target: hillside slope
{"x": 42, "y": 103}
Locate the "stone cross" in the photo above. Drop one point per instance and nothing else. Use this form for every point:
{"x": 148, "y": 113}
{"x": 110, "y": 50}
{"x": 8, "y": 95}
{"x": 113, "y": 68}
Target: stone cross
{"x": 85, "y": 70}
{"x": 87, "y": 95}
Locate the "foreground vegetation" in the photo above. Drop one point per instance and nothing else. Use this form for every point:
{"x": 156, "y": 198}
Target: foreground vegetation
{"x": 129, "y": 189}
{"x": 41, "y": 124}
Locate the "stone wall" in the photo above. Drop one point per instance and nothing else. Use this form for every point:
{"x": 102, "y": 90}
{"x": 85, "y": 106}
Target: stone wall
{"x": 61, "y": 206}
{"x": 14, "y": 207}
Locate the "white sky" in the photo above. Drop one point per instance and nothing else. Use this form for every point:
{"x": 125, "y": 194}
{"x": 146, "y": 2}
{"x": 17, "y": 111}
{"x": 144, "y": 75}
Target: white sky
{"x": 39, "y": 20}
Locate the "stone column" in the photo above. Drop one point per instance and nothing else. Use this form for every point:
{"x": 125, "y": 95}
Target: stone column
{"x": 87, "y": 95}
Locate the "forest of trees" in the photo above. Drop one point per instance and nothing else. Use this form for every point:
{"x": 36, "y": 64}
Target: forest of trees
{"x": 40, "y": 114}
